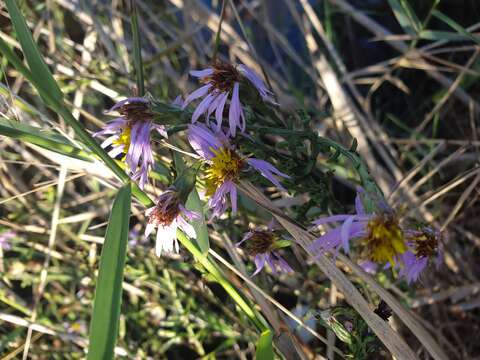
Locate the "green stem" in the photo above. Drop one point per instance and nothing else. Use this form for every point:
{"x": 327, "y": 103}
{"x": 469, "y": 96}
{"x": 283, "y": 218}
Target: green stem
{"x": 217, "y": 36}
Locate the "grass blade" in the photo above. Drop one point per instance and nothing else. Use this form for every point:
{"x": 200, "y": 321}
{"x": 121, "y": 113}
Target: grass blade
{"x": 455, "y": 26}
{"x": 38, "y": 68}
{"x": 438, "y": 35}
{"x": 108, "y": 292}
{"x": 264, "y": 346}
{"x": 48, "y": 140}
{"x": 405, "y": 16}
{"x": 137, "y": 49}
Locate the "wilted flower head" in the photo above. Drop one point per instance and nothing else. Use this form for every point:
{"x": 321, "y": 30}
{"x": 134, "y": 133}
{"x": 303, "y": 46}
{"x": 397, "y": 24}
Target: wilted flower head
{"x": 130, "y": 136}
{"x": 261, "y": 245}
{"x": 224, "y": 166}
{"x": 5, "y": 238}
{"x": 424, "y": 244}
{"x": 379, "y": 234}
{"x": 221, "y": 82}
{"x": 168, "y": 215}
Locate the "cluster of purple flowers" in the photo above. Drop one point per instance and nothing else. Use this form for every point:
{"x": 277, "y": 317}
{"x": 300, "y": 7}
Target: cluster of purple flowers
{"x": 129, "y": 136}
{"x": 380, "y": 239}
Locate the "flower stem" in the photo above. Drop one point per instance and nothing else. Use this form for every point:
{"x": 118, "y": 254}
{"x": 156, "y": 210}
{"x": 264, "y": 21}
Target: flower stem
{"x": 251, "y": 313}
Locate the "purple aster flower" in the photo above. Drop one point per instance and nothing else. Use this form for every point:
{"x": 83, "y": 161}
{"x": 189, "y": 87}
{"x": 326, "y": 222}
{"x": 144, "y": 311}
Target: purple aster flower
{"x": 261, "y": 245}
{"x": 222, "y": 84}
{"x": 130, "y": 135}
{"x": 5, "y": 238}
{"x": 168, "y": 215}
{"x": 379, "y": 234}
{"x": 224, "y": 166}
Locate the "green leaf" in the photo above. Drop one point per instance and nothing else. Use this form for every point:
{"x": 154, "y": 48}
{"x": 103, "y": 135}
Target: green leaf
{"x": 437, "y": 35}
{"x": 38, "y": 68}
{"x": 455, "y": 26}
{"x": 405, "y": 16}
{"x": 137, "y": 49}
{"x": 46, "y": 139}
{"x": 264, "y": 346}
{"x": 108, "y": 292}
{"x": 195, "y": 204}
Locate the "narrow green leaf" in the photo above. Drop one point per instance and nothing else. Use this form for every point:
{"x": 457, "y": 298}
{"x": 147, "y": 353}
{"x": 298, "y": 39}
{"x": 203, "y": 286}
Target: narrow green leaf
{"x": 108, "y": 292}
{"x": 455, "y": 26}
{"x": 46, "y": 139}
{"x": 437, "y": 35}
{"x": 137, "y": 49}
{"x": 34, "y": 59}
{"x": 195, "y": 204}
{"x": 405, "y": 16}
{"x": 265, "y": 346}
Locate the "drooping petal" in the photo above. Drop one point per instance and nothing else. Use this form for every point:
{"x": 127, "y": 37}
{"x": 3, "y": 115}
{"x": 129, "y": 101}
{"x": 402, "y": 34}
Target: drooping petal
{"x": 259, "y": 263}
{"x": 203, "y": 107}
{"x": 186, "y": 227}
{"x": 201, "y": 73}
{"x": 360, "y": 210}
{"x": 257, "y": 83}
{"x": 345, "y": 233}
{"x": 234, "y": 111}
{"x": 412, "y": 266}
{"x": 268, "y": 171}
{"x": 200, "y": 92}
{"x": 283, "y": 264}
{"x": 246, "y": 236}
{"x": 271, "y": 262}
{"x": 233, "y": 199}
{"x": 219, "y": 110}
{"x": 148, "y": 229}
{"x": 218, "y": 202}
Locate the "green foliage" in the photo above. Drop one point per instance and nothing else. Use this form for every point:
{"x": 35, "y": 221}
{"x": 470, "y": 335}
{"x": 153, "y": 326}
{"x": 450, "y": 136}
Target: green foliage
{"x": 108, "y": 294}
{"x": 46, "y": 139}
{"x": 265, "y": 346}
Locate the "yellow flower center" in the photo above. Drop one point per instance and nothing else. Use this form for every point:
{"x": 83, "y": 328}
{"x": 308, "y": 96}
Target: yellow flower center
{"x": 385, "y": 239}
{"x": 225, "y": 165}
{"x": 124, "y": 139}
